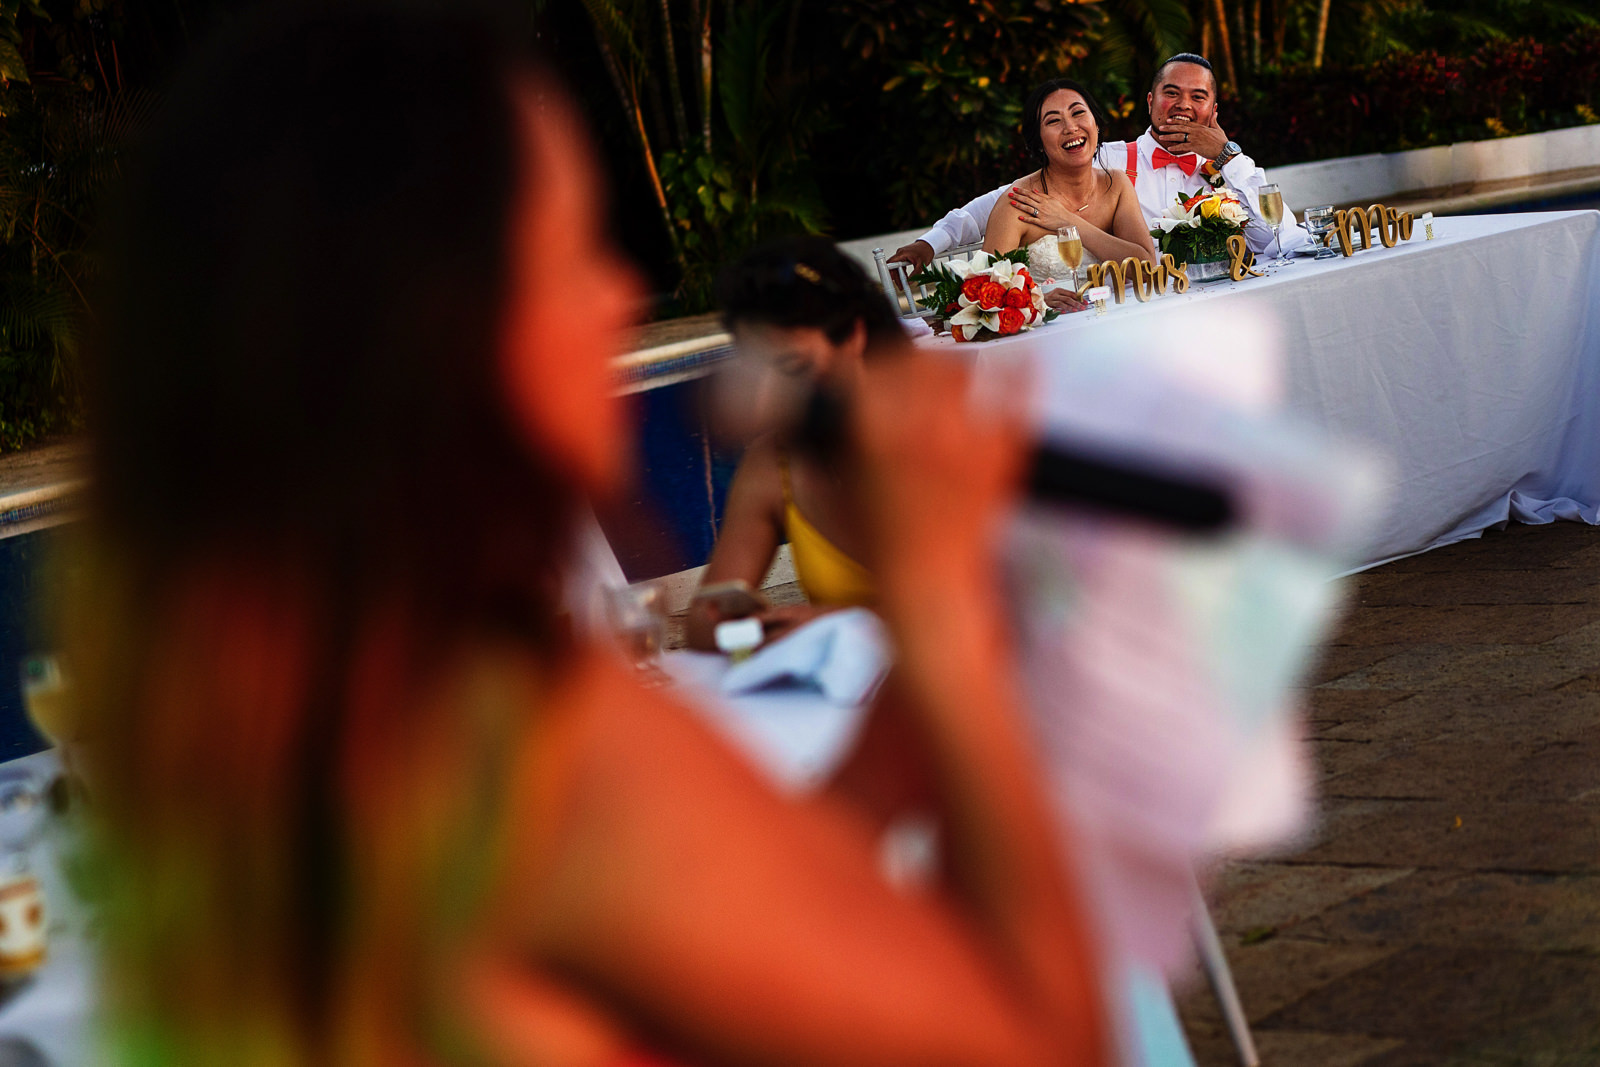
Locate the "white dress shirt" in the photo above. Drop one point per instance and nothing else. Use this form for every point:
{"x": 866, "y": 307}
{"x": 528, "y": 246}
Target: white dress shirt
{"x": 1156, "y": 189}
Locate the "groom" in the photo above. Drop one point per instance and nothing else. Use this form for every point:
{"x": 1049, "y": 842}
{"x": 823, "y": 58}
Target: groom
{"x": 1182, "y": 152}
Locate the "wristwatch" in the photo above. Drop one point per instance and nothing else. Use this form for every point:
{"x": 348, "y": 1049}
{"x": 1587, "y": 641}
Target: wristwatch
{"x": 1229, "y": 150}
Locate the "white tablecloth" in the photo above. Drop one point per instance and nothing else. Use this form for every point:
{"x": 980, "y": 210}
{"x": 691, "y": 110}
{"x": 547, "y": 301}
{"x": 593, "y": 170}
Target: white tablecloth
{"x": 53, "y": 1010}
{"x": 1471, "y": 361}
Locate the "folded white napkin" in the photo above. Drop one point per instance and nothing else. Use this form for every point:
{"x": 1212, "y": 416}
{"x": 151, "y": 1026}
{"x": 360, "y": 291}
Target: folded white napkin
{"x": 843, "y": 655}
{"x": 917, "y": 327}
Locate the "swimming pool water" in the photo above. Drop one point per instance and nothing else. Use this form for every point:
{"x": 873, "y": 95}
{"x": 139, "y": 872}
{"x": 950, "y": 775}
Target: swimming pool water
{"x": 23, "y": 581}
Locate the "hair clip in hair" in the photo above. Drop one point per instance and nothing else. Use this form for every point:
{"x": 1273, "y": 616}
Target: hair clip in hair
{"x": 808, "y": 273}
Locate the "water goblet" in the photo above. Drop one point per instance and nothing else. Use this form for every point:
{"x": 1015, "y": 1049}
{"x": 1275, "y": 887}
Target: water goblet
{"x": 1319, "y": 223}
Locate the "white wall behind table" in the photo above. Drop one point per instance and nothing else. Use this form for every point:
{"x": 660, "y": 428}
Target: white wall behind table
{"x": 1472, "y": 362}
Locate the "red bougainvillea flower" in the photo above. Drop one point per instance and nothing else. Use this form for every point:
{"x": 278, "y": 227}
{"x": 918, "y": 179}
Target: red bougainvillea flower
{"x": 990, "y": 295}
{"x": 1011, "y": 321}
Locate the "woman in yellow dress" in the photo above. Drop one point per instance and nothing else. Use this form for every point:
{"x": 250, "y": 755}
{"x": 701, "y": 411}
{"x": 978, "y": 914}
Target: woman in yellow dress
{"x": 804, "y": 315}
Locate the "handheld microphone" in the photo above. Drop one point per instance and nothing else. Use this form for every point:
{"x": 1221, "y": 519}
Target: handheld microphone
{"x": 1061, "y": 474}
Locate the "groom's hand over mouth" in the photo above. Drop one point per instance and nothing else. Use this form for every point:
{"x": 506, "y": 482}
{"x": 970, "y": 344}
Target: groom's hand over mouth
{"x": 1181, "y": 135}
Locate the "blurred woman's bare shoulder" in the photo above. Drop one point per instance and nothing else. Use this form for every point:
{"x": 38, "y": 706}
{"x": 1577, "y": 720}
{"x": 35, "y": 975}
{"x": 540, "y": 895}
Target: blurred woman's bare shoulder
{"x": 604, "y": 749}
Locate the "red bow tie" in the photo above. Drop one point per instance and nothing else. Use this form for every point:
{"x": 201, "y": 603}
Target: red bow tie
{"x": 1187, "y": 162}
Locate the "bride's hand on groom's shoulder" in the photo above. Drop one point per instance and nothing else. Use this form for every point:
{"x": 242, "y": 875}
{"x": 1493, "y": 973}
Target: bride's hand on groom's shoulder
{"x": 1040, "y": 209}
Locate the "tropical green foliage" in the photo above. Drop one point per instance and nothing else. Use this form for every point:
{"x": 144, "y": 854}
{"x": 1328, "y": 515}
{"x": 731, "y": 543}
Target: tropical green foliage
{"x": 754, "y": 181}
{"x": 62, "y": 115}
{"x": 721, "y": 117}
{"x": 1416, "y": 99}
{"x": 1250, "y": 39}
{"x": 951, "y": 99}
{"x": 953, "y": 76}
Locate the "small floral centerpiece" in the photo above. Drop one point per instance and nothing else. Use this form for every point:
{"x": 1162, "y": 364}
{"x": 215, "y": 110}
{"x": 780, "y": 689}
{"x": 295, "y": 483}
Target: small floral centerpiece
{"x": 985, "y": 297}
{"x": 1196, "y": 229}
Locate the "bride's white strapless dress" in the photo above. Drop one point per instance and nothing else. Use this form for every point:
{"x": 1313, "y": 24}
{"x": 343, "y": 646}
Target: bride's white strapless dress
{"x": 1046, "y": 265}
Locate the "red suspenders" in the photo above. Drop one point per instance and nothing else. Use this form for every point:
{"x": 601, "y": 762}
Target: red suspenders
{"x": 1133, "y": 161}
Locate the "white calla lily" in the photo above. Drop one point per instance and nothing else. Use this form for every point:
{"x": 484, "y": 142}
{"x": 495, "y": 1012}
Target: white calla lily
{"x": 1003, "y": 271}
{"x": 969, "y": 315}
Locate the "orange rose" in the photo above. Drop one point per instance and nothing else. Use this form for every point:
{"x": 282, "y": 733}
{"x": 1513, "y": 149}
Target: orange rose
{"x": 991, "y": 294}
{"x": 1016, "y": 298}
{"x": 1011, "y": 321}
{"x": 970, "y": 287}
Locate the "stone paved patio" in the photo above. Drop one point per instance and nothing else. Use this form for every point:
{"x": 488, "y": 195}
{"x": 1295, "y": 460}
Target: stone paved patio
{"x": 1448, "y": 909}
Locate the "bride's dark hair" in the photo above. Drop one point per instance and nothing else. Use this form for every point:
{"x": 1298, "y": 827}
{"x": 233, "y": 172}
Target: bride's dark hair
{"x": 1033, "y": 113}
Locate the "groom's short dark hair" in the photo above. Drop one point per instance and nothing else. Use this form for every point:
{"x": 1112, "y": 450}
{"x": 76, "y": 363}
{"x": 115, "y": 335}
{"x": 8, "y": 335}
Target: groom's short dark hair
{"x": 1184, "y": 57}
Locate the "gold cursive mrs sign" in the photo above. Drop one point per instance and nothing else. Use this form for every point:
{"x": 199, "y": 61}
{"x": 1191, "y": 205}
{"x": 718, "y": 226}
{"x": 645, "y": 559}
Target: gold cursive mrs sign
{"x": 1147, "y": 279}
{"x": 1391, "y": 226}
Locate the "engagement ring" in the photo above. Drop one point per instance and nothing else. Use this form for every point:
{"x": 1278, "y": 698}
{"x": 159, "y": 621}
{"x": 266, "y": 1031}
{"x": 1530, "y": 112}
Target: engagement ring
{"x": 1035, "y": 212}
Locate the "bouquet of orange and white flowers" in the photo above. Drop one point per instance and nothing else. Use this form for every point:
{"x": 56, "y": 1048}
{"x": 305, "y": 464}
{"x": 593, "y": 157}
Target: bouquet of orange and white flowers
{"x": 985, "y": 297}
{"x": 1196, "y": 229}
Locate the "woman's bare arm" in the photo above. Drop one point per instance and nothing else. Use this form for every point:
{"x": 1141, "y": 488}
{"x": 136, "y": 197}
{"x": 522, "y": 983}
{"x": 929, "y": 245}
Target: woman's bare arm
{"x": 752, "y": 529}
{"x": 666, "y": 879}
{"x": 1129, "y": 223}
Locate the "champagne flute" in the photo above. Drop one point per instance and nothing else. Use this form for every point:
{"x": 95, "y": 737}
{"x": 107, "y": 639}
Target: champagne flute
{"x": 1070, "y": 246}
{"x": 1272, "y": 211}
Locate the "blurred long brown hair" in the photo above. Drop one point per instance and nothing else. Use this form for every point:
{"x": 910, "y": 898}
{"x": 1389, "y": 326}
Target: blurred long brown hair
{"x": 309, "y": 502}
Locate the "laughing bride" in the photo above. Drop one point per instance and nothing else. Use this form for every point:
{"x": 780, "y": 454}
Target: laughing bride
{"x": 1062, "y": 124}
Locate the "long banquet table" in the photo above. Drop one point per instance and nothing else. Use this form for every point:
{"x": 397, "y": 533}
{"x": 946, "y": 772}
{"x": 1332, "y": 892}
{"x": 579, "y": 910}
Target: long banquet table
{"x": 1472, "y": 362}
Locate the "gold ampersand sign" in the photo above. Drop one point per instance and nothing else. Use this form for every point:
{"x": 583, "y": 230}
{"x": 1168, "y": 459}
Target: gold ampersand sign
{"x": 1239, "y": 259}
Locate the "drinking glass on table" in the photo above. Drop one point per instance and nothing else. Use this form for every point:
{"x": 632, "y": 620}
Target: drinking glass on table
{"x": 1319, "y": 223}
{"x": 638, "y": 618}
{"x": 44, "y": 695}
{"x": 1272, "y": 212}
{"x": 1070, "y": 245}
